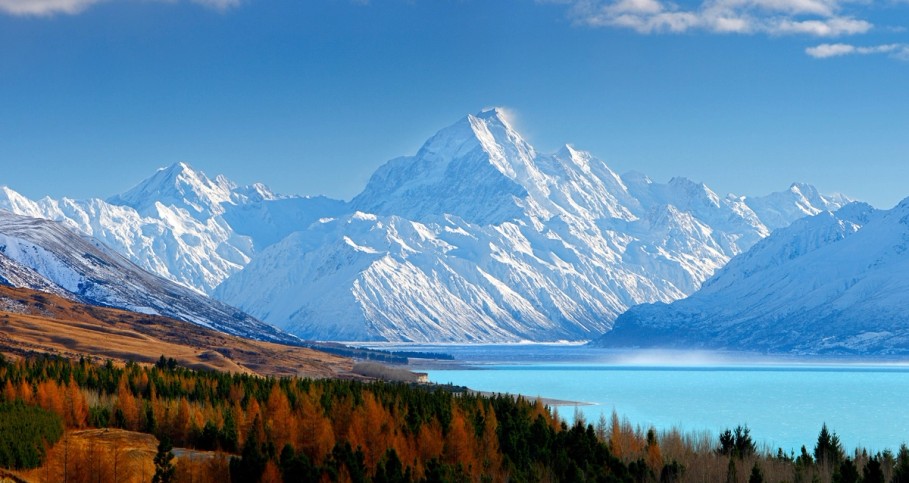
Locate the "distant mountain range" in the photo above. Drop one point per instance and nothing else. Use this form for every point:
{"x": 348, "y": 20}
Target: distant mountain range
{"x": 834, "y": 283}
{"x": 477, "y": 237}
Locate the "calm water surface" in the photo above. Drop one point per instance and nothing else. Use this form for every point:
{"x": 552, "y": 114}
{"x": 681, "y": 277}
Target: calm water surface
{"x": 783, "y": 402}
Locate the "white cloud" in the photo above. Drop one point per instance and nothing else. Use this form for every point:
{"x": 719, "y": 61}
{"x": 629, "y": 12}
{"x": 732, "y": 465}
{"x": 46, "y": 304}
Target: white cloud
{"x": 825, "y": 8}
{"x": 44, "y": 7}
{"x": 832, "y": 27}
{"x": 219, "y": 4}
{"x": 40, "y": 8}
{"x": 819, "y": 18}
{"x": 830, "y": 50}
{"x": 825, "y": 51}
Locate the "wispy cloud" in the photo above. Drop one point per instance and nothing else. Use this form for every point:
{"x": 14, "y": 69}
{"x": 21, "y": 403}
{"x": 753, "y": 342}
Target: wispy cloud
{"x": 44, "y": 8}
{"x": 819, "y": 18}
{"x": 219, "y": 4}
{"x": 826, "y": 51}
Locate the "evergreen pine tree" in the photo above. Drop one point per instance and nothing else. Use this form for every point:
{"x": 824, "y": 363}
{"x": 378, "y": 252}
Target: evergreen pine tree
{"x": 251, "y": 463}
{"x": 873, "y": 472}
{"x": 822, "y": 447}
{"x": 150, "y": 425}
{"x": 390, "y": 469}
{"x": 757, "y": 476}
{"x": 671, "y": 472}
{"x": 228, "y": 436}
{"x": 165, "y": 472}
{"x": 828, "y": 450}
{"x": 901, "y": 469}
{"x": 847, "y": 472}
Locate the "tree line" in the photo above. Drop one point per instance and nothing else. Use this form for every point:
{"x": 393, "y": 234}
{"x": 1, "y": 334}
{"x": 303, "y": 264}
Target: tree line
{"x": 302, "y": 429}
{"x": 289, "y": 429}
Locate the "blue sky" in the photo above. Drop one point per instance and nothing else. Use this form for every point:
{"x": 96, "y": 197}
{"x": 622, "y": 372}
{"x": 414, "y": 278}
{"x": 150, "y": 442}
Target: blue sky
{"x": 310, "y": 97}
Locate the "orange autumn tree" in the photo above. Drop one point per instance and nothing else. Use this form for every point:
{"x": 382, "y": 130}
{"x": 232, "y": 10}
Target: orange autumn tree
{"x": 332, "y": 428}
{"x": 279, "y": 423}
{"x": 370, "y": 430}
{"x": 77, "y": 408}
{"x": 127, "y": 407}
{"x": 315, "y": 436}
{"x": 457, "y": 448}
{"x": 49, "y": 396}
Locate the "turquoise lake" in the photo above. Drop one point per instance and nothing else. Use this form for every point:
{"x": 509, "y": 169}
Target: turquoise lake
{"x": 784, "y": 402}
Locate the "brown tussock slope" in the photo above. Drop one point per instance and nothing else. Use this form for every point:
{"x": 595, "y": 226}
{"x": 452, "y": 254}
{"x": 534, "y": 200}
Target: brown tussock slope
{"x": 38, "y": 322}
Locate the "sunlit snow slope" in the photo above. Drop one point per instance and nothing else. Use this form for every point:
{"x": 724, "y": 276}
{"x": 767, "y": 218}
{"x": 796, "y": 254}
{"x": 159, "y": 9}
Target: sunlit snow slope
{"x": 478, "y": 237}
{"x": 44, "y": 255}
{"x": 832, "y": 283}
{"x": 182, "y": 225}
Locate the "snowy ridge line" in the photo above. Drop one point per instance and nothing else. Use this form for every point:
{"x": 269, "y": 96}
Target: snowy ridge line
{"x": 830, "y": 284}
{"x": 477, "y": 237}
{"x": 44, "y": 255}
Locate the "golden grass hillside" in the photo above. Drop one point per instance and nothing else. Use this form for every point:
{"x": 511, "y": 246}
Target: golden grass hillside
{"x": 37, "y": 322}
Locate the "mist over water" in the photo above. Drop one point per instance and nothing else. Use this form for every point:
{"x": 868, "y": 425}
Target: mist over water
{"x": 784, "y": 400}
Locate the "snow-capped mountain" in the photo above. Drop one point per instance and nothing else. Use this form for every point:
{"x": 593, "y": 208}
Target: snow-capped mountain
{"x": 44, "y": 255}
{"x": 777, "y": 210}
{"x": 831, "y": 283}
{"x": 478, "y": 237}
{"x": 181, "y": 225}
{"x": 475, "y": 237}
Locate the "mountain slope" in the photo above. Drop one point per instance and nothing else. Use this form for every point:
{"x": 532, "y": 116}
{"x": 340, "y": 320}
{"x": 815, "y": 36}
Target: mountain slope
{"x": 34, "y": 321}
{"x": 476, "y": 237}
{"x": 45, "y": 255}
{"x": 480, "y": 238}
{"x": 831, "y": 283}
{"x": 180, "y": 224}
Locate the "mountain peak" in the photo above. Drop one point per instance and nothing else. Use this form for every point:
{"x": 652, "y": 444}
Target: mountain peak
{"x": 487, "y": 128}
{"x": 181, "y": 186}
{"x": 494, "y": 114}
{"x": 178, "y": 167}
{"x": 12, "y": 201}
{"x": 173, "y": 172}
{"x": 474, "y": 168}
{"x": 570, "y": 151}
{"x": 804, "y": 189}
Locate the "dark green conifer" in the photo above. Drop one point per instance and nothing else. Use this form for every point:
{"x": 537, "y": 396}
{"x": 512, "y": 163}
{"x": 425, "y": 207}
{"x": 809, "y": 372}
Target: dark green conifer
{"x": 901, "y": 466}
{"x": 873, "y": 471}
{"x": 828, "y": 450}
{"x": 757, "y": 476}
{"x": 391, "y": 470}
{"x": 165, "y": 472}
{"x": 846, "y": 473}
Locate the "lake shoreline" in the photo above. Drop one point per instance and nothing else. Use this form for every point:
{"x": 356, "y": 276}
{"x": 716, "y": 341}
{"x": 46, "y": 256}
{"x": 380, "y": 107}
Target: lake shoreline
{"x": 545, "y": 400}
{"x": 784, "y": 402}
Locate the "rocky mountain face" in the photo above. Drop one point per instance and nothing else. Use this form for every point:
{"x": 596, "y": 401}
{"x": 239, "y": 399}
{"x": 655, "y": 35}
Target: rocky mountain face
{"x": 477, "y": 237}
